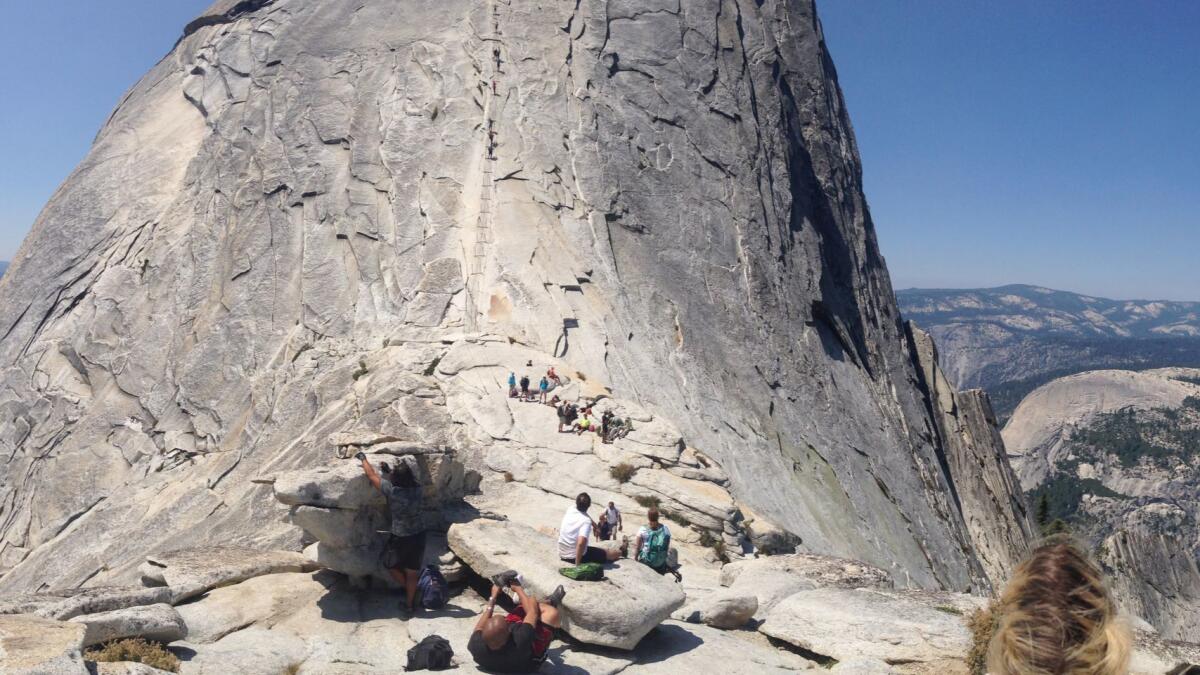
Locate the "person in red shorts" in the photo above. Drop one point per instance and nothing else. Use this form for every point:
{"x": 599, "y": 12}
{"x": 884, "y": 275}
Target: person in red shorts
{"x": 517, "y": 642}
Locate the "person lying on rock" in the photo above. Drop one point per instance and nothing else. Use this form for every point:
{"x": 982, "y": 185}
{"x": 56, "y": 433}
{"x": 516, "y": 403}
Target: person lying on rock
{"x": 406, "y": 546}
{"x": 574, "y": 532}
{"x": 653, "y": 545}
{"x": 517, "y": 642}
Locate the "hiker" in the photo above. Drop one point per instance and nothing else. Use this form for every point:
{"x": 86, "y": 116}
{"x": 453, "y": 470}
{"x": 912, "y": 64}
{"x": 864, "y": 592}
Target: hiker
{"x": 584, "y": 424}
{"x": 566, "y": 415}
{"x": 654, "y": 545}
{"x": 1057, "y": 616}
{"x": 614, "y": 517}
{"x": 604, "y": 528}
{"x": 553, "y": 376}
{"x": 543, "y": 389}
{"x": 405, "y": 549}
{"x": 524, "y": 387}
{"x": 617, "y": 428}
{"x": 554, "y": 401}
{"x": 512, "y": 385}
{"x": 605, "y": 423}
{"x": 518, "y": 641}
{"x": 576, "y": 530}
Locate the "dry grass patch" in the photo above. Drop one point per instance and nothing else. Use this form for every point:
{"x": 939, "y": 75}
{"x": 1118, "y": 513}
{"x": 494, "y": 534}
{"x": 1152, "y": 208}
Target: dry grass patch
{"x": 647, "y": 500}
{"x": 982, "y": 624}
{"x": 152, "y": 654}
{"x": 622, "y": 472}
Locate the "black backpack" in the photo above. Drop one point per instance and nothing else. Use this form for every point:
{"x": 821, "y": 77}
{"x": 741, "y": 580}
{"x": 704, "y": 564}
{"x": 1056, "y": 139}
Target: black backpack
{"x": 432, "y": 653}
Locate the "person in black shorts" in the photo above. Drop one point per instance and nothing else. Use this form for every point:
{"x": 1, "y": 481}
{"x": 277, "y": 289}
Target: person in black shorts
{"x": 575, "y": 532}
{"x": 517, "y": 642}
{"x": 406, "y": 546}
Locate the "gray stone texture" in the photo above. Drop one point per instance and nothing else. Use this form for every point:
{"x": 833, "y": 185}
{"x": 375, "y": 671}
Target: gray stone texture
{"x": 289, "y": 223}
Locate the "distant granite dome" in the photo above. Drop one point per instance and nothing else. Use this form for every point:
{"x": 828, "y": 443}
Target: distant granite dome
{"x": 315, "y": 217}
{"x": 3, "y": 267}
{"x": 1012, "y": 339}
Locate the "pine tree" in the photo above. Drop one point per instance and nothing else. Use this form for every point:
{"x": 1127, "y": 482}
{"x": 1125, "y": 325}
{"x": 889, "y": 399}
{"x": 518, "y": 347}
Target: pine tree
{"x": 1043, "y": 510}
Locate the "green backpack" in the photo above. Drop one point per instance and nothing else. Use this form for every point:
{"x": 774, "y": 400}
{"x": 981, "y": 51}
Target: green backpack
{"x": 654, "y": 548}
{"x": 588, "y": 571}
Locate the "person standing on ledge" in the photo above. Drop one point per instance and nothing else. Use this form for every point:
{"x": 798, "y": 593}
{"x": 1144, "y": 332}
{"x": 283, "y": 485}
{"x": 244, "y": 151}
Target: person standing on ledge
{"x": 614, "y": 519}
{"x": 406, "y": 546}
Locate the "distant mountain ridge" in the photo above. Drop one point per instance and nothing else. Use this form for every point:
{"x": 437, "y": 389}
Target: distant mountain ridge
{"x": 1043, "y": 311}
{"x": 1012, "y": 339}
{"x": 3, "y": 267}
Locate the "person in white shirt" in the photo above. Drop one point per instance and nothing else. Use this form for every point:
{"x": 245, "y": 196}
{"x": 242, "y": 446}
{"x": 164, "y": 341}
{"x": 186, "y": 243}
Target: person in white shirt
{"x": 614, "y": 519}
{"x": 575, "y": 532}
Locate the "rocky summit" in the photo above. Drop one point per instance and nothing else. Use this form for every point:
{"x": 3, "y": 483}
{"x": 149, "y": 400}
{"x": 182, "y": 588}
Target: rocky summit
{"x": 319, "y": 228}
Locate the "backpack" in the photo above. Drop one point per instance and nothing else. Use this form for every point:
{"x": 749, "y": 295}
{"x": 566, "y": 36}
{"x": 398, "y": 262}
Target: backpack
{"x": 433, "y": 588}
{"x": 432, "y": 653}
{"x": 588, "y": 571}
{"x": 654, "y": 548}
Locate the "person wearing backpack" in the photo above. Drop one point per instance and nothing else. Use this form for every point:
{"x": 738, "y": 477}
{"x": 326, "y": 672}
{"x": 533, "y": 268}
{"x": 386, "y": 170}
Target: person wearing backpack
{"x": 654, "y": 545}
{"x": 406, "y": 546}
{"x": 517, "y": 642}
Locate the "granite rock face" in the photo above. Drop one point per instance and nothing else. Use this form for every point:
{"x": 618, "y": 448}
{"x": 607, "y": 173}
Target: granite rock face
{"x": 32, "y": 645}
{"x": 892, "y": 627}
{"x": 160, "y": 623}
{"x": 972, "y": 451}
{"x": 302, "y": 217}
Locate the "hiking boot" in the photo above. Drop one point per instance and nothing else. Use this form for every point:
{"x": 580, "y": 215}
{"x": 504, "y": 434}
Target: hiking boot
{"x": 556, "y": 597}
{"x": 505, "y": 578}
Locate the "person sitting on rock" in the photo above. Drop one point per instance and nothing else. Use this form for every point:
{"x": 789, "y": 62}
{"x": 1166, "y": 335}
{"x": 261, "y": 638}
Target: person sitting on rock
{"x": 654, "y": 545}
{"x": 576, "y": 530}
{"x": 405, "y": 550}
{"x": 1057, "y": 616}
{"x": 525, "y": 387}
{"x": 584, "y": 424}
{"x": 543, "y": 389}
{"x": 517, "y": 642}
{"x": 566, "y": 416}
{"x": 553, "y": 376}
{"x": 512, "y": 385}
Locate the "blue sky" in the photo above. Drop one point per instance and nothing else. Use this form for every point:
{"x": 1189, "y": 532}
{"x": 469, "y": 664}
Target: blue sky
{"x": 1053, "y": 142}
{"x": 1047, "y": 142}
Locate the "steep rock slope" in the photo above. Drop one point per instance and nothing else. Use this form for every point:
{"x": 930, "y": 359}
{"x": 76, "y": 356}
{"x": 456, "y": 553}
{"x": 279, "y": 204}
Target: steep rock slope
{"x": 983, "y": 483}
{"x": 285, "y": 225}
{"x": 1114, "y": 453}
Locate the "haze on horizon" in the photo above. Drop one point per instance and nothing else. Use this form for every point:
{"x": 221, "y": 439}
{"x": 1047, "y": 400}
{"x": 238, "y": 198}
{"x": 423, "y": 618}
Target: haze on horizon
{"x": 1019, "y": 143}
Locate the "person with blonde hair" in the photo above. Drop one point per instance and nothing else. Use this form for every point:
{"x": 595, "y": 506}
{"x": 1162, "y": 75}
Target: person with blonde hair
{"x": 1057, "y": 617}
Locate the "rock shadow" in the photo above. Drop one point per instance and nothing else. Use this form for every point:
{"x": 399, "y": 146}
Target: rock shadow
{"x": 664, "y": 642}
